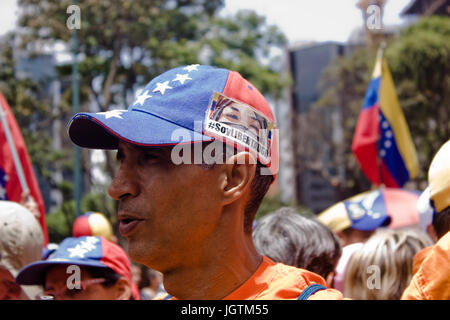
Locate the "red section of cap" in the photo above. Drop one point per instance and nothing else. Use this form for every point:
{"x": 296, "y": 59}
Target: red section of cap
{"x": 240, "y": 89}
{"x": 81, "y": 227}
{"x": 401, "y": 205}
{"x": 115, "y": 258}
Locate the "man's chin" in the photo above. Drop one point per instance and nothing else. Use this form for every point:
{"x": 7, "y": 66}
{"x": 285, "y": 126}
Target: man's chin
{"x": 139, "y": 251}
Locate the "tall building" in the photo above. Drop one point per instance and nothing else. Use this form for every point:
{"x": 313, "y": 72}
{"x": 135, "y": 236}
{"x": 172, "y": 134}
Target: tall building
{"x": 317, "y": 132}
{"x": 427, "y": 8}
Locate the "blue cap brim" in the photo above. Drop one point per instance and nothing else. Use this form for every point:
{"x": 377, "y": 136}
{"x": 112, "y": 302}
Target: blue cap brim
{"x": 34, "y": 273}
{"x": 96, "y": 131}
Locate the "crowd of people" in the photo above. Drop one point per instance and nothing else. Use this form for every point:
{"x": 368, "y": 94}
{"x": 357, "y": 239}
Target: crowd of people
{"x": 191, "y": 230}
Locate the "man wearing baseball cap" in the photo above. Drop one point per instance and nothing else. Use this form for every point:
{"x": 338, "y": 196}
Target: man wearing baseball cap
{"x": 431, "y": 280}
{"x": 93, "y": 224}
{"x": 354, "y": 221}
{"x": 83, "y": 268}
{"x": 185, "y": 207}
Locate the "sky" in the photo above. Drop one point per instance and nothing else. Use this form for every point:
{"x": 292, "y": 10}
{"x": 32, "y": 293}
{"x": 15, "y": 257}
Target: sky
{"x": 300, "y": 20}
{"x": 315, "y": 20}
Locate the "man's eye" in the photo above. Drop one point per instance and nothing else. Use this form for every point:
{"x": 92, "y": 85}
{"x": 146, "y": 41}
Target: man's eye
{"x": 73, "y": 292}
{"x": 149, "y": 156}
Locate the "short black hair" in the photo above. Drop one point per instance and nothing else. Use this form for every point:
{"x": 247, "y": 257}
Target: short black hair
{"x": 441, "y": 222}
{"x": 286, "y": 236}
{"x": 107, "y": 273}
{"x": 258, "y": 188}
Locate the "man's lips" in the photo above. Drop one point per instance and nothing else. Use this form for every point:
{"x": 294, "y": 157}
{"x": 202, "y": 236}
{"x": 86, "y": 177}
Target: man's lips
{"x": 128, "y": 223}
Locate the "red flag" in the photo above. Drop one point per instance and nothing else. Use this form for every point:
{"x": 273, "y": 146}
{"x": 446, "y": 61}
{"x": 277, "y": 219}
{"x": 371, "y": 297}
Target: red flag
{"x": 10, "y": 179}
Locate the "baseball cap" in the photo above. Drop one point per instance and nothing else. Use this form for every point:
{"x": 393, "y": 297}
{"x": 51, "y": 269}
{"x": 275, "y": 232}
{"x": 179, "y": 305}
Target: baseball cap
{"x": 92, "y": 224}
{"x": 365, "y": 211}
{"x": 439, "y": 178}
{"x": 179, "y": 106}
{"x": 21, "y": 238}
{"x": 87, "y": 251}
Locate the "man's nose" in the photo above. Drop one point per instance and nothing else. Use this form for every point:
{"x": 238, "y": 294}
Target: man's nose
{"x": 123, "y": 184}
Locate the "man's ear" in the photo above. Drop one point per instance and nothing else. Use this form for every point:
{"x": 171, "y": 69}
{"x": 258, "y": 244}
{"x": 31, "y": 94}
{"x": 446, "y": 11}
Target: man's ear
{"x": 432, "y": 232}
{"x": 329, "y": 279}
{"x": 342, "y": 238}
{"x": 122, "y": 289}
{"x": 239, "y": 173}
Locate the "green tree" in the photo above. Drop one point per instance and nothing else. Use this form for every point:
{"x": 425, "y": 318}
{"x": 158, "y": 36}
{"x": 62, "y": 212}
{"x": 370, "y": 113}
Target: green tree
{"x": 420, "y": 64}
{"x": 31, "y": 108}
{"x": 245, "y": 43}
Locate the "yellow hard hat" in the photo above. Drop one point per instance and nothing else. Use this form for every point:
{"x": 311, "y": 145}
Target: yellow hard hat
{"x": 439, "y": 178}
{"x": 92, "y": 224}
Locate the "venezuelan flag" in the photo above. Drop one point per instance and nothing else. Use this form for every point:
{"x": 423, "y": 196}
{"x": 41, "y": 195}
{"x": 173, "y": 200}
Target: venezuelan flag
{"x": 382, "y": 142}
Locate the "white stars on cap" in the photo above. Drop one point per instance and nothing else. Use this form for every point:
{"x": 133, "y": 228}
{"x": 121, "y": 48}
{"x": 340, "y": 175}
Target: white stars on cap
{"x": 83, "y": 247}
{"x": 171, "y": 83}
{"x": 182, "y": 78}
{"x": 355, "y": 211}
{"x": 113, "y": 114}
{"x": 191, "y": 67}
{"x": 77, "y": 252}
{"x": 162, "y": 87}
{"x": 141, "y": 98}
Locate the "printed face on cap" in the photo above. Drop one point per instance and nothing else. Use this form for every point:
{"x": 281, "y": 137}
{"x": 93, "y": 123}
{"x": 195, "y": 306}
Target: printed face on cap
{"x": 240, "y": 125}
{"x": 244, "y": 118}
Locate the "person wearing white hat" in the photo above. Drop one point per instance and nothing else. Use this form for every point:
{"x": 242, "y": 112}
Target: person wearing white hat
{"x": 439, "y": 182}
{"x": 21, "y": 243}
{"x": 431, "y": 266}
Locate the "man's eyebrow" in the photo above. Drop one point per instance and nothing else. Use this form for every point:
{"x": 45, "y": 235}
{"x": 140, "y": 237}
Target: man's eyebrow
{"x": 161, "y": 149}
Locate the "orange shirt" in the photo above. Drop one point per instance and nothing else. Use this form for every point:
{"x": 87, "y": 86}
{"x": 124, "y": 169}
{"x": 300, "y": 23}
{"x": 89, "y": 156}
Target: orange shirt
{"x": 274, "y": 281}
{"x": 419, "y": 257}
{"x": 432, "y": 280}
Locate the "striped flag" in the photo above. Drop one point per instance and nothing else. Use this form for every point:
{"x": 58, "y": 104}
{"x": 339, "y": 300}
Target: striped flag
{"x": 16, "y": 171}
{"x": 382, "y": 142}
